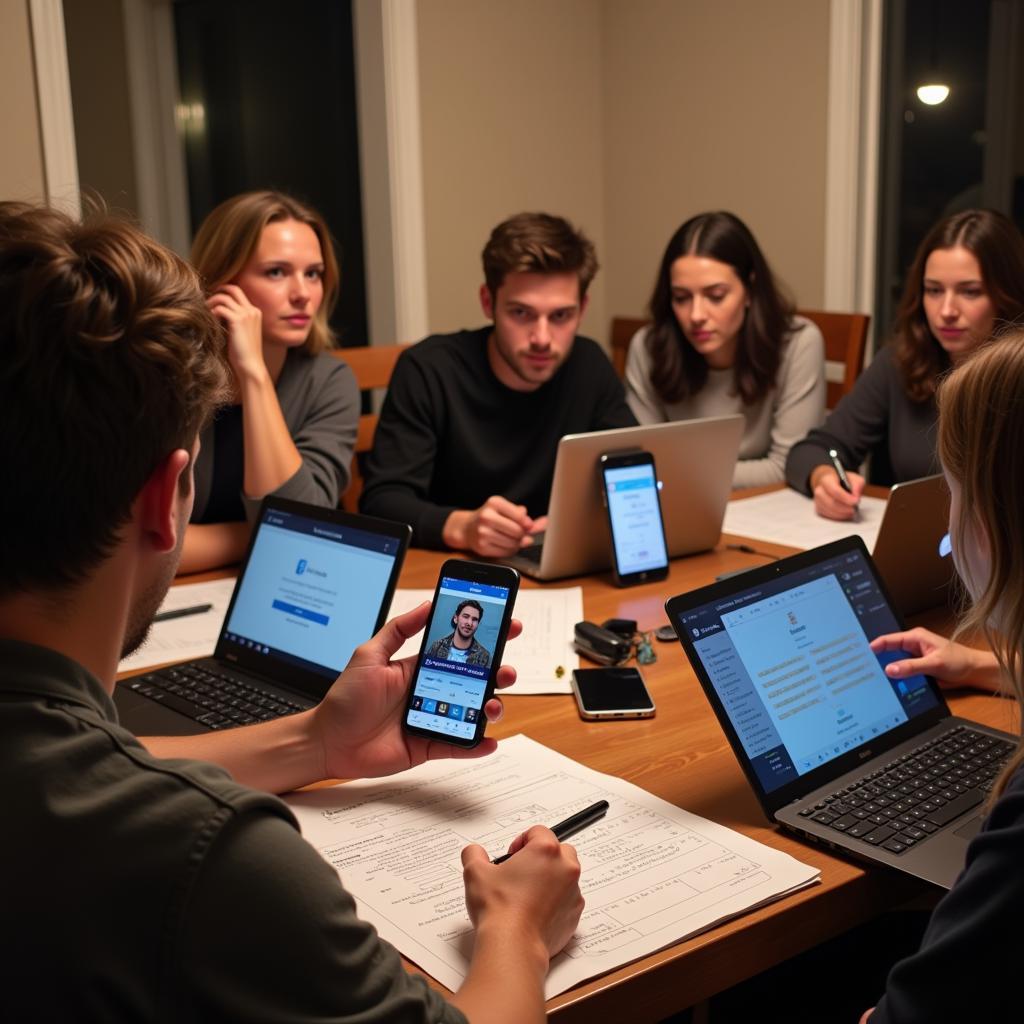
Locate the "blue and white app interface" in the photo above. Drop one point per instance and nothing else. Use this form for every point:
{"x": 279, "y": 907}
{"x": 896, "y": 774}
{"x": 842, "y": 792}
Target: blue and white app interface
{"x": 312, "y": 591}
{"x": 448, "y": 694}
{"x": 791, "y": 664}
{"x": 636, "y": 520}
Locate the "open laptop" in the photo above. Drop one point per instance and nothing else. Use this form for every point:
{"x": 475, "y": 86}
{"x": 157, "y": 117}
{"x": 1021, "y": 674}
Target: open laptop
{"x": 834, "y": 749}
{"x": 694, "y": 460}
{"x": 315, "y": 583}
{"x": 916, "y": 518}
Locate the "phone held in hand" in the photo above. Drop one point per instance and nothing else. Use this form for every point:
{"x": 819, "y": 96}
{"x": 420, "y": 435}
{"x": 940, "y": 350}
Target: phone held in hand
{"x": 461, "y": 653}
{"x": 629, "y": 492}
{"x": 611, "y": 693}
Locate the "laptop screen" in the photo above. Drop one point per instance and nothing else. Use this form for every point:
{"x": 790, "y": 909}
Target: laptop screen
{"x": 790, "y": 663}
{"x": 312, "y": 590}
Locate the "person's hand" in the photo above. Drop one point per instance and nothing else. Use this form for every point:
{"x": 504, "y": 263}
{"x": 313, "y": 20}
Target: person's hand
{"x": 496, "y": 528}
{"x": 866, "y": 1016}
{"x": 359, "y": 722}
{"x": 244, "y": 325}
{"x": 951, "y": 663}
{"x": 830, "y": 500}
{"x": 534, "y": 894}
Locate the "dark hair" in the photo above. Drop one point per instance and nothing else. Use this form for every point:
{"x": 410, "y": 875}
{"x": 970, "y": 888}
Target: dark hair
{"x": 228, "y": 237}
{"x": 110, "y": 361}
{"x": 538, "y": 243}
{"x": 677, "y": 369}
{"x": 996, "y": 244}
{"x": 467, "y": 604}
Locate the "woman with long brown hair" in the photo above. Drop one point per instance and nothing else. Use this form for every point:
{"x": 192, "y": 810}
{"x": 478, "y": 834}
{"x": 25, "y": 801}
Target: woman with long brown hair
{"x": 966, "y": 279}
{"x": 724, "y": 339}
{"x": 966, "y": 967}
{"x": 272, "y": 275}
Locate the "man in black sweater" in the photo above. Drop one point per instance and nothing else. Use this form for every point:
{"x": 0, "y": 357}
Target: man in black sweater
{"x": 465, "y": 447}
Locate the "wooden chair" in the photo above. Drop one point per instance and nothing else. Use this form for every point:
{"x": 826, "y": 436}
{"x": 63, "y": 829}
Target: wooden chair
{"x": 373, "y": 366}
{"x": 845, "y": 336}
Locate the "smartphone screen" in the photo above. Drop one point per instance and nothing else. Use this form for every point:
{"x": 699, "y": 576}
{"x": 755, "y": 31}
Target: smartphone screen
{"x": 634, "y": 516}
{"x": 611, "y": 693}
{"x": 462, "y": 651}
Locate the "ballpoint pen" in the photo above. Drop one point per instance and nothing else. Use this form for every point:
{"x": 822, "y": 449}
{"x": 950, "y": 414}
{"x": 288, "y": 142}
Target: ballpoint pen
{"x": 573, "y": 824}
{"x": 844, "y": 480}
{"x": 178, "y": 613}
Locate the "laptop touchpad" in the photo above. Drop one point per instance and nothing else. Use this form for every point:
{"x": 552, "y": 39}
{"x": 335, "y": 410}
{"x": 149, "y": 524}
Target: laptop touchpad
{"x": 970, "y": 828}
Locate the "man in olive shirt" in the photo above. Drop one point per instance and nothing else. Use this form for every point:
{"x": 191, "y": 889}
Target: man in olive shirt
{"x": 141, "y": 880}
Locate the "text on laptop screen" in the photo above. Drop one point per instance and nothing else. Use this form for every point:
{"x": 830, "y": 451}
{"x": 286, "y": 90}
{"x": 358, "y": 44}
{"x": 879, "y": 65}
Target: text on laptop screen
{"x": 311, "y": 592}
{"x": 791, "y": 665}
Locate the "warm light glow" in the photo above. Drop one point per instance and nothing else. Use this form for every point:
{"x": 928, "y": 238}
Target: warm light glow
{"x": 933, "y": 94}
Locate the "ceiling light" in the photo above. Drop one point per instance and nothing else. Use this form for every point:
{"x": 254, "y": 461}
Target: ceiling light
{"x": 933, "y": 94}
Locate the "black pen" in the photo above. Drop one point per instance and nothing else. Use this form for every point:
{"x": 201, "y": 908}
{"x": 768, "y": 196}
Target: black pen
{"x": 178, "y": 613}
{"x": 844, "y": 480}
{"x": 573, "y": 824}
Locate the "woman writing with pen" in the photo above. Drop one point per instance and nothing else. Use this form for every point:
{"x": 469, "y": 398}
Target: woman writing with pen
{"x": 967, "y": 278}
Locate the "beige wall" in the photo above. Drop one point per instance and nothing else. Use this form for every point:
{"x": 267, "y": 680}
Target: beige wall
{"x": 627, "y": 117}
{"x": 511, "y": 103}
{"x": 715, "y": 104}
{"x": 21, "y": 168}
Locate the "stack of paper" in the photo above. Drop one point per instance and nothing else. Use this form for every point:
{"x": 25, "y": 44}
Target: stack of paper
{"x": 652, "y": 874}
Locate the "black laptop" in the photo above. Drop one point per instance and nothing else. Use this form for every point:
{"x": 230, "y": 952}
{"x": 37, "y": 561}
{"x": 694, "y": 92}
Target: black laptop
{"x": 834, "y": 749}
{"x": 315, "y": 584}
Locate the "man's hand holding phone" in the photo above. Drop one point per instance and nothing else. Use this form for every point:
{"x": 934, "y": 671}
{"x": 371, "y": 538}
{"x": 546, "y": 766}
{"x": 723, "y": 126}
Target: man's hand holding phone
{"x": 358, "y": 724}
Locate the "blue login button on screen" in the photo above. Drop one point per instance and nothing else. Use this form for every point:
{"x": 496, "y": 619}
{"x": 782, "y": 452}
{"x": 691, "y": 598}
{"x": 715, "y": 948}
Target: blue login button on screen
{"x": 302, "y": 613}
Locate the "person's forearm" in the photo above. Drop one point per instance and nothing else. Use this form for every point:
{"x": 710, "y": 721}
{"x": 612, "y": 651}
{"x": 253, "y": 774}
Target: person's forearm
{"x": 212, "y": 546}
{"x": 271, "y": 457}
{"x": 276, "y": 756}
{"x": 505, "y": 981}
{"x": 985, "y": 672}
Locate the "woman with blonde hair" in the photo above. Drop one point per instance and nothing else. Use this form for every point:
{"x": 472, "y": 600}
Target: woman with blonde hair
{"x": 269, "y": 265}
{"x": 966, "y": 966}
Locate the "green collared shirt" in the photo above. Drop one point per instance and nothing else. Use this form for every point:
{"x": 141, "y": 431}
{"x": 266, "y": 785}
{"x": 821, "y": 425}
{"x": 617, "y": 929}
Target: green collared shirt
{"x": 136, "y": 888}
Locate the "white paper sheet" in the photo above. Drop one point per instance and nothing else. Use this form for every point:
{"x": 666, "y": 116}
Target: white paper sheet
{"x": 652, "y": 874}
{"x": 548, "y": 615}
{"x": 788, "y": 517}
{"x": 192, "y": 636}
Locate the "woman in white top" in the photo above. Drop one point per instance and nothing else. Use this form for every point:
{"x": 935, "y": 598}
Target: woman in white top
{"x": 725, "y": 340}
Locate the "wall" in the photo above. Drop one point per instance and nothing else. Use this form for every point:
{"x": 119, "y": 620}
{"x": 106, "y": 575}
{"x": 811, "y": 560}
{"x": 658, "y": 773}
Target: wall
{"x": 511, "y": 103}
{"x": 21, "y": 170}
{"x": 714, "y": 104}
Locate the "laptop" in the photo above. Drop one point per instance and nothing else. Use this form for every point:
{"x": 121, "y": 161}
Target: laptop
{"x": 694, "y": 459}
{"x": 907, "y": 550}
{"x": 834, "y": 750}
{"x": 315, "y": 583}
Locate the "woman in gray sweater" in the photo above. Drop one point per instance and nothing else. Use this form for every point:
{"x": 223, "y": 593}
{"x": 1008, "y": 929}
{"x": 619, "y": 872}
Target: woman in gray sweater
{"x": 967, "y": 279}
{"x": 291, "y": 425}
{"x": 724, "y": 340}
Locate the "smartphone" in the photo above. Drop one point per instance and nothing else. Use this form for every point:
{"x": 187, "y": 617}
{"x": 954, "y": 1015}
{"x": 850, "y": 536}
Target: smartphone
{"x": 462, "y": 649}
{"x": 629, "y": 491}
{"x": 611, "y": 693}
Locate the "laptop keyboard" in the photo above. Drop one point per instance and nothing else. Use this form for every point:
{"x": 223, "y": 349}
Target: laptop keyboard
{"x": 213, "y": 699}
{"x": 903, "y": 803}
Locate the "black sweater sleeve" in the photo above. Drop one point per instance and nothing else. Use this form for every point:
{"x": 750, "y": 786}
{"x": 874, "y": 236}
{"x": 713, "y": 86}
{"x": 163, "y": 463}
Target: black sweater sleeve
{"x": 401, "y": 465}
{"x": 855, "y": 428}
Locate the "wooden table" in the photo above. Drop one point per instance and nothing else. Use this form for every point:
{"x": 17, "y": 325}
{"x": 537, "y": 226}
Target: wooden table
{"x": 682, "y": 756}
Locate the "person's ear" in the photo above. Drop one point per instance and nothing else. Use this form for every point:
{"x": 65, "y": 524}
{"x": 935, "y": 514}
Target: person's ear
{"x": 487, "y": 301}
{"x": 584, "y": 300}
{"x": 159, "y": 504}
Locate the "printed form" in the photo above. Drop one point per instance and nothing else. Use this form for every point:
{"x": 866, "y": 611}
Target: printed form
{"x": 543, "y": 655}
{"x": 652, "y": 874}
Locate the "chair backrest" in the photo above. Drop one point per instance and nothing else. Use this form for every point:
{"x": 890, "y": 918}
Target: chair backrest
{"x": 623, "y": 329}
{"x": 845, "y": 336}
{"x": 373, "y": 366}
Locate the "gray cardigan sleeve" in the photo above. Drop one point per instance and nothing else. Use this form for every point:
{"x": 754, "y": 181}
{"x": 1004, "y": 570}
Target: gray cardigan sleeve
{"x": 797, "y": 406}
{"x": 645, "y": 402}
